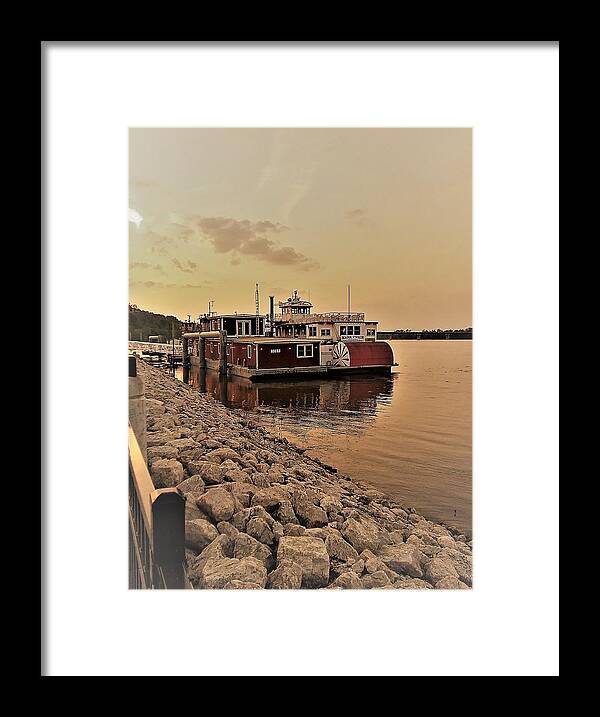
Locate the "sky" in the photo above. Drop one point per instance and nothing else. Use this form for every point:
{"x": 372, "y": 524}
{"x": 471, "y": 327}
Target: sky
{"x": 212, "y": 212}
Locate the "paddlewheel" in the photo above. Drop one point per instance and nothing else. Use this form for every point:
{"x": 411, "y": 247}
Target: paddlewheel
{"x": 340, "y": 355}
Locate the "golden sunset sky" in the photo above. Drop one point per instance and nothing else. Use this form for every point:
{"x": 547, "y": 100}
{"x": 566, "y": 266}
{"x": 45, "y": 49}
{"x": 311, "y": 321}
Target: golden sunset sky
{"x": 213, "y": 211}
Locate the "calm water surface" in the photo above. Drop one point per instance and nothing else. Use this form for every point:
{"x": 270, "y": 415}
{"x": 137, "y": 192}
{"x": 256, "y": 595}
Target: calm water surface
{"x": 409, "y": 433}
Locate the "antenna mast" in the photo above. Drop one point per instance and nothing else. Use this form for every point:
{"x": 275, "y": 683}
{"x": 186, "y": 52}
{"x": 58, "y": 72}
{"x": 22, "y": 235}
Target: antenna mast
{"x": 257, "y": 301}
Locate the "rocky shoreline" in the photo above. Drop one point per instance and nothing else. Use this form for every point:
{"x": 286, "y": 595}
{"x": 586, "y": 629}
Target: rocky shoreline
{"x": 261, "y": 514}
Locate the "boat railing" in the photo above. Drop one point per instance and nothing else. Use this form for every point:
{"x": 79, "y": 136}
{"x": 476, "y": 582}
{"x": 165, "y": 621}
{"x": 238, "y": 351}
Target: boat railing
{"x": 330, "y": 317}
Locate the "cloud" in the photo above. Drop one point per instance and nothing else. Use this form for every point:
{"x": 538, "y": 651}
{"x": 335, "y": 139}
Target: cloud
{"x": 188, "y": 266}
{"x": 243, "y": 237}
{"x": 144, "y": 183}
{"x": 235, "y": 237}
{"x": 161, "y": 285}
{"x": 358, "y": 217}
{"x": 146, "y": 265}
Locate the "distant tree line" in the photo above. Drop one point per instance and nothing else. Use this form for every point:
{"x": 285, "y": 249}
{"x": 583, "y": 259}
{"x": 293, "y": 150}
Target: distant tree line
{"x": 433, "y": 331}
{"x": 427, "y": 334}
{"x": 143, "y": 324}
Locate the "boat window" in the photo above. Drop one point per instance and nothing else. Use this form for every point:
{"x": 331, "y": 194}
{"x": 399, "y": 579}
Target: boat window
{"x": 244, "y": 328}
{"x": 325, "y": 332}
{"x": 249, "y": 351}
{"x": 304, "y": 350}
{"x": 343, "y": 330}
{"x": 312, "y": 330}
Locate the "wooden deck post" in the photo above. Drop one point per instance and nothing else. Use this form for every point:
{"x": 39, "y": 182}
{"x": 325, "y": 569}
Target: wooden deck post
{"x": 184, "y": 350}
{"x": 223, "y": 358}
{"x": 201, "y": 352}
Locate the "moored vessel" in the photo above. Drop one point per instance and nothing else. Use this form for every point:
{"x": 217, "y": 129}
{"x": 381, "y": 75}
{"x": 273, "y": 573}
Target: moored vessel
{"x": 296, "y": 341}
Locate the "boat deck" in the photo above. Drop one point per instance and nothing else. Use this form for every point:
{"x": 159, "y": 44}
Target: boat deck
{"x": 266, "y": 374}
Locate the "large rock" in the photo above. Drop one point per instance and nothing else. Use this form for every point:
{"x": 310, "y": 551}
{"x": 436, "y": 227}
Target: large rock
{"x": 285, "y": 513}
{"x": 243, "y": 488}
{"x": 270, "y": 497}
{"x": 439, "y": 568}
{"x": 221, "y": 547}
{"x": 403, "y": 559}
{"x": 222, "y": 454}
{"x": 330, "y": 504}
{"x": 192, "y": 512}
{"x": 311, "y": 554}
{"x": 241, "y": 585}
{"x": 362, "y": 535}
{"x": 195, "y": 484}
{"x": 338, "y": 548}
{"x": 378, "y": 579}
{"x": 462, "y": 563}
{"x": 287, "y": 576}
{"x": 347, "y": 581}
{"x": 157, "y": 452}
{"x": 158, "y": 439}
{"x": 258, "y": 528}
{"x": 246, "y": 546}
{"x": 183, "y": 444}
{"x": 450, "y": 583}
{"x": 154, "y": 407}
{"x": 373, "y": 564}
{"x": 162, "y": 423}
{"x": 218, "y": 572}
{"x": 210, "y": 473}
{"x": 446, "y": 541}
{"x": 199, "y": 533}
{"x": 311, "y": 515}
{"x": 166, "y": 473}
{"x": 218, "y": 503}
{"x": 293, "y": 529}
{"x": 412, "y": 584}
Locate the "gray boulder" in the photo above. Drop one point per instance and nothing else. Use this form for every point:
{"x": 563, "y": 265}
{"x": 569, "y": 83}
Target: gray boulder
{"x": 259, "y": 529}
{"x": 287, "y": 576}
{"x": 166, "y": 473}
{"x": 156, "y": 452}
{"x": 199, "y": 533}
{"x": 450, "y": 583}
{"x": 440, "y": 567}
{"x": 362, "y": 534}
{"x": 218, "y": 572}
{"x": 405, "y": 559}
{"x": 347, "y": 581}
{"x": 246, "y": 546}
{"x": 311, "y": 554}
{"x": 218, "y": 503}
{"x": 195, "y": 484}
{"x": 378, "y": 579}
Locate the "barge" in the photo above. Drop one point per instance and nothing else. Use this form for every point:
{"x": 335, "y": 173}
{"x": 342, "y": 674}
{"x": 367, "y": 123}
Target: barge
{"x": 297, "y": 342}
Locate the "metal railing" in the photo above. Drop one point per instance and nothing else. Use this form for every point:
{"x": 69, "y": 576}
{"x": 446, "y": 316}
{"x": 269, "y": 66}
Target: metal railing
{"x": 334, "y": 317}
{"x": 156, "y": 529}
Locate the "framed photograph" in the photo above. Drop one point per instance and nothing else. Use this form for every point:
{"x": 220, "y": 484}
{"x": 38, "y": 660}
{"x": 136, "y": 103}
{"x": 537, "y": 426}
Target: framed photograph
{"x": 327, "y": 254}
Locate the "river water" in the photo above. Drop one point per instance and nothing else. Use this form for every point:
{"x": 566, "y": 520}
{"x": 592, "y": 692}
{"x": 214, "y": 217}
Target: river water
{"x": 408, "y": 434}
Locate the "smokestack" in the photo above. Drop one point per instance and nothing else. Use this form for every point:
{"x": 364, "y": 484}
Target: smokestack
{"x": 272, "y": 314}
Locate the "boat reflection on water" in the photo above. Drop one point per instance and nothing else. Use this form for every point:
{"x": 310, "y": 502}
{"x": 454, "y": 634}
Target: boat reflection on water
{"x": 409, "y": 434}
{"x": 353, "y": 399}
